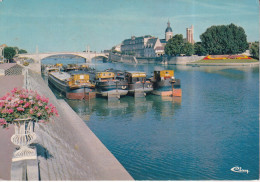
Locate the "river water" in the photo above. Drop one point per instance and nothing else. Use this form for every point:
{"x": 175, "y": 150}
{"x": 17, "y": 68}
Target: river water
{"x": 212, "y": 128}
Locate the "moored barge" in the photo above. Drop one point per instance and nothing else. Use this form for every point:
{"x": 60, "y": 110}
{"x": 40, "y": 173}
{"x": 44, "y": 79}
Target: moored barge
{"x": 107, "y": 85}
{"x": 73, "y": 85}
{"x": 137, "y": 83}
{"x": 165, "y": 84}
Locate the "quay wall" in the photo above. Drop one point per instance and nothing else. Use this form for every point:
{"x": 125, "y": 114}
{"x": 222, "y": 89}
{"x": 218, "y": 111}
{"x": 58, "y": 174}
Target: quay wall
{"x": 154, "y": 60}
{"x": 67, "y": 149}
{"x": 183, "y": 59}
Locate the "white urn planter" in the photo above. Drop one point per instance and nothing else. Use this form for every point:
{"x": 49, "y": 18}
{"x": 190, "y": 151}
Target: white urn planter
{"x": 23, "y": 137}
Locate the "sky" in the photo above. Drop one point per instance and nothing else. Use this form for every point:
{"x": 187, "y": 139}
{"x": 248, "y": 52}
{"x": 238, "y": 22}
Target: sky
{"x": 72, "y": 25}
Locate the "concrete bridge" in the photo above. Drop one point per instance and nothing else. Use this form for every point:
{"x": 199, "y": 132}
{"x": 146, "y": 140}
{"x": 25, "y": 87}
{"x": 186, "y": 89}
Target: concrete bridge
{"x": 88, "y": 55}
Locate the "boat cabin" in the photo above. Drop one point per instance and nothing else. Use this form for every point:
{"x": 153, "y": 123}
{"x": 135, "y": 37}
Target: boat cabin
{"x": 163, "y": 75}
{"x": 105, "y": 76}
{"x": 58, "y": 65}
{"x": 133, "y": 77}
{"x": 78, "y": 79}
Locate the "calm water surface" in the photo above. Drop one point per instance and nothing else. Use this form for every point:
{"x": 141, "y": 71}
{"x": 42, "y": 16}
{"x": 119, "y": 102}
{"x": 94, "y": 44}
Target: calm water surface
{"x": 201, "y": 136}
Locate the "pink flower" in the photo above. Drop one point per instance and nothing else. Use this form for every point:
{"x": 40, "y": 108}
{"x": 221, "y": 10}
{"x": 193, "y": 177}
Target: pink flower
{"x": 36, "y": 108}
{"x": 31, "y": 111}
{"x": 39, "y": 114}
{"x": 10, "y": 111}
{"x": 21, "y": 102}
{"x": 46, "y": 107}
{"x": 20, "y": 109}
{"x": 38, "y": 97}
{"x": 2, "y": 121}
{"x": 46, "y": 100}
{"x": 27, "y": 104}
{"x": 14, "y": 90}
{"x": 2, "y": 104}
{"x": 40, "y": 104}
{"x": 3, "y": 98}
{"x": 16, "y": 105}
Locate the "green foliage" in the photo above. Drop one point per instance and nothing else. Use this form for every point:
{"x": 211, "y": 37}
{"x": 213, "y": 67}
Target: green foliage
{"x": 224, "y": 39}
{"x": 254, "y": 50}
{"x": 177, "y": 46}
{"x": 199, "y": 49}
{"x": 9, "y": 53}
{"x": 187, "y": 49}
{"x": 22, "y": 51}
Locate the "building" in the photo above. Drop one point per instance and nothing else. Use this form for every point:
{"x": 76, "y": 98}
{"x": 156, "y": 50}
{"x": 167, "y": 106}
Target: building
{"x": 146, "y": 46}
{"x": 153, "y": 48}
{"x": 189, "y": 35}
{"x": 135, "y": 45}
{"x": 168, "y": 32}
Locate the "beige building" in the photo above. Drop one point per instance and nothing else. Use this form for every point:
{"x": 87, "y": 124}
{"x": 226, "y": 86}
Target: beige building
{"x": 146, "y": 46}
{"x": 189, "y": 35}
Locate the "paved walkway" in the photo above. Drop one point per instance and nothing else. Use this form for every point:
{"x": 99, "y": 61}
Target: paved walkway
{"x": 7, "y": 83}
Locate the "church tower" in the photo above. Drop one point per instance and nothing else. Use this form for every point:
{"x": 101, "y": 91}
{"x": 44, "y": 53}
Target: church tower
{"x": 168, "y": 32}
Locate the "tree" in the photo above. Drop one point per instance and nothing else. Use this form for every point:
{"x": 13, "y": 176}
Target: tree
{"x": 176, "y": 46}
{"x": 199, "y": 49}
{"x": 254, "y": 50}
{"x": 224, "y": 39}
{"x": 9, "y": 53}
{"x": 187, "y": 49}
{"x": 22, "y": 51}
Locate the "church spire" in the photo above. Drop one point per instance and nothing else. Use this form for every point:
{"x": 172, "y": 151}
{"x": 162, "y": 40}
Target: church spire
{"x": 168, "y": 23}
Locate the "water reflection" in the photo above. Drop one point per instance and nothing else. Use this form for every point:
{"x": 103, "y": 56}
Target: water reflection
{"x": 130, "y": 106}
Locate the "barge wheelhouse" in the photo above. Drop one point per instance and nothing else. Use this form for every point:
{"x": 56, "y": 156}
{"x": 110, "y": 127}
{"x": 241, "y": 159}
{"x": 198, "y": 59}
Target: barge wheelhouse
{"x": 107, "y": 84}
{"x": 137, "y": 82}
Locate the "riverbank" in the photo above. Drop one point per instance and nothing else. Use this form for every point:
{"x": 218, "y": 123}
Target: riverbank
{"x": 226, "y": 62}
{"x": 223, "y": 64}
{"x": 66, "y": 148}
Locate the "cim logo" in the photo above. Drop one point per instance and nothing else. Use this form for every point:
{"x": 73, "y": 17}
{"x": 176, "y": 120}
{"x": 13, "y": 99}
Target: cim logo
{"x": 239, "y": 170}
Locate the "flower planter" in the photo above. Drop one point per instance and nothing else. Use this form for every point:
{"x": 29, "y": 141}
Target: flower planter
{"x": 23, "y": 137}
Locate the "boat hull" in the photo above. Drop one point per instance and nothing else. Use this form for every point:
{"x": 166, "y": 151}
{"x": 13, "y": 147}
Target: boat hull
{"x": 139, "y": 87}
{"x": 106, "y": 88}
{"x": 165, "y": 88}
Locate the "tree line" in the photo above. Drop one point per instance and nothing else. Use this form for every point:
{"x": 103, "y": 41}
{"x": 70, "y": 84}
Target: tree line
{"x": 10, "y": 52}
{"x": 216, "y": 40}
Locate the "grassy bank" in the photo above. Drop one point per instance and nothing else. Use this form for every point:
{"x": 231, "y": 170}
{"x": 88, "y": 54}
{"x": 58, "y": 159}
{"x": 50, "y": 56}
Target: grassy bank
{"x": 227, "y": 61}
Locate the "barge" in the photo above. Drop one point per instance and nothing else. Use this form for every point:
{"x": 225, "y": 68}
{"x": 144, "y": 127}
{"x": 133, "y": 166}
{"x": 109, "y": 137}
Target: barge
{"x": 72, "y": 85}
{"x": 165, "y": 84}
{"x": 107, "y": 85}
{"x": 138, "y": 84}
